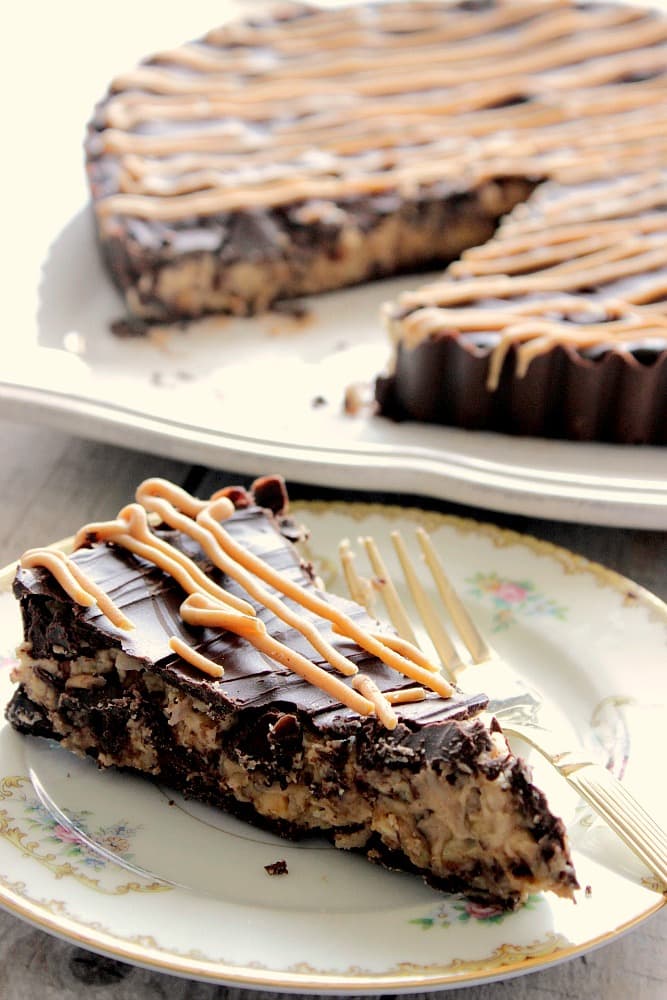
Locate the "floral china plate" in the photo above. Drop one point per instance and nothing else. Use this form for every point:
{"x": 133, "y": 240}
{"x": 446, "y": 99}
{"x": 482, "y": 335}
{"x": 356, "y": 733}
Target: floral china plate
{"x": 128, "y": 868}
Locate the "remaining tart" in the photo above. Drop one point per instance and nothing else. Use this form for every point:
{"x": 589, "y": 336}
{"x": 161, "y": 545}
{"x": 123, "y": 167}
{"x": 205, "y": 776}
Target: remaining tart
{"x": 311, "y": 148}
{"x": 307, "y": 149}
{"x": 135, "y": 656}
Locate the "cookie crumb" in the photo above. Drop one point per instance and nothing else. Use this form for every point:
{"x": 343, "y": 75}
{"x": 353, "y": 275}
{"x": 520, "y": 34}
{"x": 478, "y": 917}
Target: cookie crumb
{"x": 129, "y": 326}
{"x": 277, "y": 868}
{"x": 588, "y": 891}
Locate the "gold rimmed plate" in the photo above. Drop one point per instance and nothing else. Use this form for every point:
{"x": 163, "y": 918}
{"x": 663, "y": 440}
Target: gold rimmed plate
{"x": 127, "y": 868}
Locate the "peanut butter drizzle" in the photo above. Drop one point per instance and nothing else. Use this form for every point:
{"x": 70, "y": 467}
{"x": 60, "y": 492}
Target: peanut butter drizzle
{"x": 575, "y": 275}
{"x": 215, "y": 542}
{"x": 580, "y": 236}
{"x": 199, "y": 610}
{"x": 208, "y": 605}
{"x": 131, "y": 530}
{"x": 362, "y": 62}
{"x": 192, "y": 656}
{"x": 537, "y": 39}
{"x": 534, "y": 335}
{"x": 407, "y": 649}
{"x": 76, "y": 583}
{"x": 592, "y": 240}
{"x": 369, "y": 689}
{"x": 406, "y": 696}
{"x": 356, "y": 102}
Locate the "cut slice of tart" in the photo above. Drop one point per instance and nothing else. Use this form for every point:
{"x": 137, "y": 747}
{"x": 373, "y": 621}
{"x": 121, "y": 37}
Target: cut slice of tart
{"x": 192, "y": 644}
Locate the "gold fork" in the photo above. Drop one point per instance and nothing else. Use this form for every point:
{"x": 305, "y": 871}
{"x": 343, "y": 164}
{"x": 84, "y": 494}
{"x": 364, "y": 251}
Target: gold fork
{"x": 520, "y": 710}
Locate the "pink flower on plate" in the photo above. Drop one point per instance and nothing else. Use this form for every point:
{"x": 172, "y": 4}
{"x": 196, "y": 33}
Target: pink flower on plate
{"x": 510, "y": 592}
{"x": 481, "y": 911}
{"x": 67, "y": 836}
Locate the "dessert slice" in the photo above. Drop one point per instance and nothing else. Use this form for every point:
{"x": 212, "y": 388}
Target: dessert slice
{"x": 192, "y": 644}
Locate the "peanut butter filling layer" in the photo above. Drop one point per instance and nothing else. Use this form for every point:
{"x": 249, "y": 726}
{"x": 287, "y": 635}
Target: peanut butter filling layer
{"x": 441, "y": 819}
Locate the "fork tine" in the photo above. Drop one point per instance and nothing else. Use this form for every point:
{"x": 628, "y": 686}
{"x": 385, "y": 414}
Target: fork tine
{"x": 388, "y": 592}
{"x": 439, "y": 636}
{"x": 358, "y": 587}
{"x": 474, "y": 640}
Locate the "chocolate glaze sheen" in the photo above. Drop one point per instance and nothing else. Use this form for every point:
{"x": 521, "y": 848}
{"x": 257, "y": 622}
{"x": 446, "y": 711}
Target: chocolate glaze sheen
{"x": 251, "y": 681}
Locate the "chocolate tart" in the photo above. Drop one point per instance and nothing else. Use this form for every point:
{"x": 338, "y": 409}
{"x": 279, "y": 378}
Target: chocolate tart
{"x": 433, "y": 789}
{"x": 306, "y": 149}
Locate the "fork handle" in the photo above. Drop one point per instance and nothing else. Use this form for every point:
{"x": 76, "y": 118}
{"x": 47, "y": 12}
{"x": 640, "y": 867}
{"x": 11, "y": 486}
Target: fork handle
{"x": 625, "y": 815}
{"x": 610, "y": 799}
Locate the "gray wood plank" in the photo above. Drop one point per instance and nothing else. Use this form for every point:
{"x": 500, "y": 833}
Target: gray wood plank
{"x": 34, "y": 964}
{"x": 52, "y": 483}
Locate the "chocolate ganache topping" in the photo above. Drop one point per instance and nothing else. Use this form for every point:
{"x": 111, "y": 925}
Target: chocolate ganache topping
{"x": 150, "y": 600}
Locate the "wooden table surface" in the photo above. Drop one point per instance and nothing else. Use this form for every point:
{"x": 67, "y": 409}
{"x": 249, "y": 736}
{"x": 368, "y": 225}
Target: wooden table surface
{"x": 50, "y": 484}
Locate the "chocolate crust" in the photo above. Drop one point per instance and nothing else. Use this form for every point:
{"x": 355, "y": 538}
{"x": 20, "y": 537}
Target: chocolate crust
{"x": 615, "y": 397}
